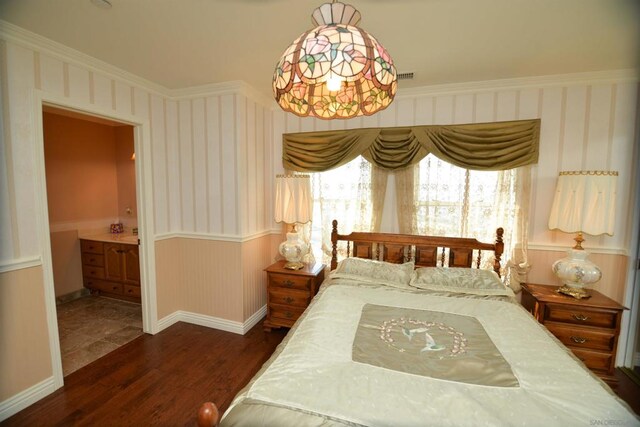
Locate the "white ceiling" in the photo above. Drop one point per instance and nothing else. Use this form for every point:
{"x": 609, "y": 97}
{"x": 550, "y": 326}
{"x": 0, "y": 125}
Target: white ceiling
{"x": 183, "y": 43}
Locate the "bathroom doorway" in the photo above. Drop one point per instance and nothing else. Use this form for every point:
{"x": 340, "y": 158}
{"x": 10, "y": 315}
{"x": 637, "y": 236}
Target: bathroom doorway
{"x": 91, "y": 198}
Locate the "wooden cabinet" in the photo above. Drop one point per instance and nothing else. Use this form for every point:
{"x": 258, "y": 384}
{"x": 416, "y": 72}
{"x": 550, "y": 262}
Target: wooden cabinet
{"x": 289, "y": 292}
{"x": 112, "y": 269}
{"x": 589, "y": 327}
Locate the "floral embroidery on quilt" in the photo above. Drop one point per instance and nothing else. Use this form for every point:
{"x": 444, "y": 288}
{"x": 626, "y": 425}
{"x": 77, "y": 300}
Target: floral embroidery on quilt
{"x": 418, "y": 337}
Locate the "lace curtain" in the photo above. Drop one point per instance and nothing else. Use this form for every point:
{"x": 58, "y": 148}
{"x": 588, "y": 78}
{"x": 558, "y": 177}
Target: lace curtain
{"x": 439, "y": 199}
{"x": 353, "y": 194}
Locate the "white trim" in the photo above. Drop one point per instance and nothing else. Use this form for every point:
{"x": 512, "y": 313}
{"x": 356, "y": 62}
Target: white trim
{"x": 95, "y": 224}
{"x": 564, "y": 248}
{"x": 42, "y": 223}
{"x": 19, "y": 264}
{"x": 18, "y": 402}
{"x": 217, "y": 237}
{"x": 589, "y": 78}
{"x": 235, "y": 327}
{"x": 254, "y": 319}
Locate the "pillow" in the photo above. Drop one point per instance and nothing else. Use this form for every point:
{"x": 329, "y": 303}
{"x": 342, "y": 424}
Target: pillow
{"x": 371, "y": 271}
{"x": 461, "y": 280}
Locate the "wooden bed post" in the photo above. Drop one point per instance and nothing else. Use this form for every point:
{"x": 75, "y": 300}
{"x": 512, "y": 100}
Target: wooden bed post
{"x": 208, "y": 415}
{"x": 334, "y": 244}
{"x": 499, "y": 250}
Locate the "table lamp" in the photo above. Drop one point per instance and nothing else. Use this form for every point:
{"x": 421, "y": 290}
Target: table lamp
{"x": 293, "y": 205}
{"x": 584, "y": 202}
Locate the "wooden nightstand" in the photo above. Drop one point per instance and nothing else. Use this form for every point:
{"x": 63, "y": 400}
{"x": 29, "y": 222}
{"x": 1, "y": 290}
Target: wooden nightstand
{"x": 589, "y": 327}
{"x": 289, "y": 292}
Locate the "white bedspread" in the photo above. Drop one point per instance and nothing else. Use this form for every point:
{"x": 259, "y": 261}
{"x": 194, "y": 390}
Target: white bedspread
{"x": 315, "y": 371}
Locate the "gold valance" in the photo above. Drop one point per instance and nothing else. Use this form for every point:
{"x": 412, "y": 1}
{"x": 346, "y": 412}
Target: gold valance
{"x": 478, "y": 146}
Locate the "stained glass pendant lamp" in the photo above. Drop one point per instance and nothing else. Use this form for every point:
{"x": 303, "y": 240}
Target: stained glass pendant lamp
{"x": 336, "y": 70}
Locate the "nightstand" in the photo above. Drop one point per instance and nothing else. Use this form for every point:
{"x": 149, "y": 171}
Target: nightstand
{"x": 289, "y": 292}
{"x": 589, "y": 327}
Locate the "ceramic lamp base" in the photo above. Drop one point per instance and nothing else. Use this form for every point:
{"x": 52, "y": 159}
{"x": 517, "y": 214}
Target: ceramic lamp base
{"x": 577, "y": 293}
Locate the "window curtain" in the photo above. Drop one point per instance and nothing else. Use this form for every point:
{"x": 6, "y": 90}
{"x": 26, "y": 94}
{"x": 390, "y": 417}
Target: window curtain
{"x": 355, "y": 199}
{"x": 482, "y": 146}
{"x": 436, "y": 198}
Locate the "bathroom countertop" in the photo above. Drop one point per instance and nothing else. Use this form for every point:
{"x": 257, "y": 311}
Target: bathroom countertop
{"x": 127, "y": 238}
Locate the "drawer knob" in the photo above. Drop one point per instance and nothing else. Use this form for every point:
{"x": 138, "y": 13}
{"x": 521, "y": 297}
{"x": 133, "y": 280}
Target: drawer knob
{"x": 114, "y": 288}
{"x": 580, "y": 317}
{"x": 578, "y": 340}
{"x": 288, "y": 300}
{"x": 289, "y": 314}
{"x": 288, "y": 283}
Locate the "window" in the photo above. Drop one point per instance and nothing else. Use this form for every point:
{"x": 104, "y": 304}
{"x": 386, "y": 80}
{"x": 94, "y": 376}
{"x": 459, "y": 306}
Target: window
{"x": 444, "y": 200}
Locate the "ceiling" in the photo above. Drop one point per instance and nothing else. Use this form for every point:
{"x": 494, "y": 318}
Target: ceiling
{"x": 184, "y": 43}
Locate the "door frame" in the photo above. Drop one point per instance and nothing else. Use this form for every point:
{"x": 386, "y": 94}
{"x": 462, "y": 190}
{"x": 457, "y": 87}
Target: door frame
{"x": 144, "y": 201}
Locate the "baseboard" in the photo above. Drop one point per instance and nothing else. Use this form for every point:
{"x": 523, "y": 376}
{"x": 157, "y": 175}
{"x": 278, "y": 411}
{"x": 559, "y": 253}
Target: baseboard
{"x": 254, "y": 319}
{"x": 72, "y": 296}
{"x": 239, "y": 328}
{"x": 25, "y": 398}
{"x": 636, "y": 359}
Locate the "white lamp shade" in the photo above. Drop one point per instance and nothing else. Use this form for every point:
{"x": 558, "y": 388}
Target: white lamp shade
{"x": 294, "y": 201}
{"x": 585, "y": 202}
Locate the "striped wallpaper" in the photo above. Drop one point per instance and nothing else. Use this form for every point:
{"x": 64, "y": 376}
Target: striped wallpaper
{"x": 212, "y": 167}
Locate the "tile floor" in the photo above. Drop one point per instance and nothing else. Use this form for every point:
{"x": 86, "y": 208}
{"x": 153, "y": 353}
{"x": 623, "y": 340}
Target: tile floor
{"x": 93, "y": 326}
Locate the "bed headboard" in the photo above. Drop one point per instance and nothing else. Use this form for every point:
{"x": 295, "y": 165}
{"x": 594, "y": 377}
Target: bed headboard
{"x": 425, "y": 251}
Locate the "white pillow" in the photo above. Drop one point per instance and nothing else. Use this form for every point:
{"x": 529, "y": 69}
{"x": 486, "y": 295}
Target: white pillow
{"x": 371, "y": 271}
{"x": 461, "y": 280}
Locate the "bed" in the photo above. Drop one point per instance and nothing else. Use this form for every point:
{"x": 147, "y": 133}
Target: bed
{"x": 415, "y": 331}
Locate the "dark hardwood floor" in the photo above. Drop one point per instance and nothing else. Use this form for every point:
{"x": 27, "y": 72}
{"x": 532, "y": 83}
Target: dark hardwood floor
{"x": 163, "y": 380}
{"x": 156, "y": 380}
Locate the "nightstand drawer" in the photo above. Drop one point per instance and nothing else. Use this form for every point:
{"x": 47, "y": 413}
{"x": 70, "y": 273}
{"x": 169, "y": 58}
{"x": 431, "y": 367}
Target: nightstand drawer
{"x": 579, "y": 316}
{"x": 594, "y": 360}
{"x": 285, "y": 312}
{"x": 289, "y": 281}
{"x": 582, "y": 337}
{"x": 292, "y": 297}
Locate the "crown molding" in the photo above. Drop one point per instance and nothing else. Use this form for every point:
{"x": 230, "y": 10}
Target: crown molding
{"x": 589, "y": 78}
{"x": 224, "y": 88}
{"x": 19, "y": 35}
{"x": 33, "y": 41}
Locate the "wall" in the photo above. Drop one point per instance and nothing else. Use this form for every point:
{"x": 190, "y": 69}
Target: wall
{"x": 24, "y": 345}
{"x": 126, "y": 176}
{"x": 586, "y": 124}
{"x": 210, "y": 180}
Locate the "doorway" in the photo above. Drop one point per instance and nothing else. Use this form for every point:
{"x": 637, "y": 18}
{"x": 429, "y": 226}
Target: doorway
{"x": 91, "y": 197}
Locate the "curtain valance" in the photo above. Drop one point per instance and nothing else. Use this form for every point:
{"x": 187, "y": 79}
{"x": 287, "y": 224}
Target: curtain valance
{"x": 478, "y": 146}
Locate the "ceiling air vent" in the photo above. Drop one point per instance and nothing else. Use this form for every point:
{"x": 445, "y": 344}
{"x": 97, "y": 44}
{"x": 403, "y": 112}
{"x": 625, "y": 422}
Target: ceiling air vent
{"x": 405, "y": 76}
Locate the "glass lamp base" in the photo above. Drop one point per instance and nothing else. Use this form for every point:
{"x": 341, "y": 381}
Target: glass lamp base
{"x": 577, "y": 293}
